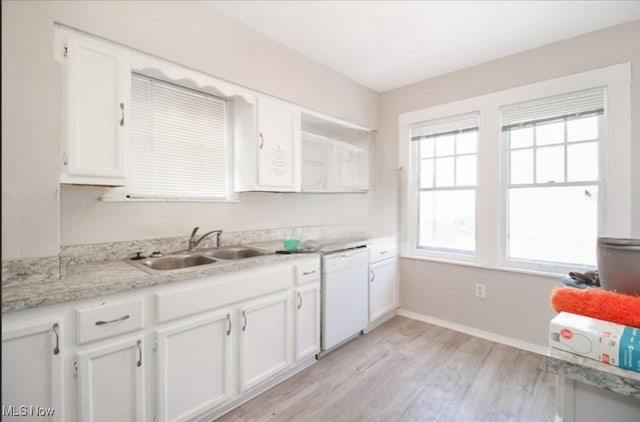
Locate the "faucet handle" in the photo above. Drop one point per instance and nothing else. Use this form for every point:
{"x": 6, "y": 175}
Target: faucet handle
{"x": 194, "y": 231}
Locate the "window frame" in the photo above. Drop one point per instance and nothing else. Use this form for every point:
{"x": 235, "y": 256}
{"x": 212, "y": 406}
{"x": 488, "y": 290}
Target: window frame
{"x": 434, "y": 251}
{"x": 614, "y": 202}
{"x": 506, "y": 186}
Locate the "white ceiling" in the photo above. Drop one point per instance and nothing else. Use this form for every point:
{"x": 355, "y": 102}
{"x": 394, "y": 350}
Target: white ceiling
{"x": 387, "y": 44}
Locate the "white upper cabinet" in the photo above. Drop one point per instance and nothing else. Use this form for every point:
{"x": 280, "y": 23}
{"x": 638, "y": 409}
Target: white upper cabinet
{"x": 335, "y": 156}
{"x": 268, "y": 160}
{"x": 97, "y": 83}
{"x": 276, "y": 146}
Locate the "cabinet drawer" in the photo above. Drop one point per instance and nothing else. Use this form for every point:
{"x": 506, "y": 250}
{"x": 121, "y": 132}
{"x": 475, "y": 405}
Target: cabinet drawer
{"x": 308, "y": 270}
{"x": 110, "y": 319}
{"x": 383, "y": 251}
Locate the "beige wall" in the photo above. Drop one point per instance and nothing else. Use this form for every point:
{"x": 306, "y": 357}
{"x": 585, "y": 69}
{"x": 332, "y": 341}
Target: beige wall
{"x": 517, "y": 305}
{"x": 35, "y": 222}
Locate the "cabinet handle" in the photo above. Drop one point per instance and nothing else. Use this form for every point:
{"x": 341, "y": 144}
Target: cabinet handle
{"x": 300, "y": 300}
{"x": 261, "y": 140}
{"x": 56, "y": 330}
{"x": 122, "y": 118}
{"x": 229, "y": 321}
{"x": 373, "y": 275}
{"x": 309, "y": 272}
{"x": 122, "y": 318}
{"x": 244, "y": 315}
{"x": 139, "y": 346}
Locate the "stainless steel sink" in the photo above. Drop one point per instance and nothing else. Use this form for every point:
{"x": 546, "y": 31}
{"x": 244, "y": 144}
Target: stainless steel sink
{"x": 188, "y": 259}
{"x": 235, "y": 252}
{"x": 176, "y": 262}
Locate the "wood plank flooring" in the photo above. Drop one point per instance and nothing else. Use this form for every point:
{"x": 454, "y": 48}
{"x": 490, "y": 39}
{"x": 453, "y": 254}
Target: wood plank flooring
{"x": 407, "y": 370}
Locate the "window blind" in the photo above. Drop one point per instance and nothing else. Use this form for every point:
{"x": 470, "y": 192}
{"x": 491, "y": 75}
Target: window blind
{"x": 179, "y": 147}
{"x": 573, "y": 105}
{"x": 448, "y": 125}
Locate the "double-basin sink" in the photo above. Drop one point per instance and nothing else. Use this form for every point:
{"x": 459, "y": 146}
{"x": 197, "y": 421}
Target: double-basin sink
{"x": 188, "y": 259}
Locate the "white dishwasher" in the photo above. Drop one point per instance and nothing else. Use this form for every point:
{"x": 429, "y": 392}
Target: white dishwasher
{"x": 345, "y": 283}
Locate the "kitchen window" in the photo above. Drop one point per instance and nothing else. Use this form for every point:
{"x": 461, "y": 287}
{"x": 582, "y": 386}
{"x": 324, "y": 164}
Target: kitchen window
{"x": 445, "y": 152}
{"x": 547, "y": 173}
{"x": 179, "y": 144}
{"x": 552, "y": 169}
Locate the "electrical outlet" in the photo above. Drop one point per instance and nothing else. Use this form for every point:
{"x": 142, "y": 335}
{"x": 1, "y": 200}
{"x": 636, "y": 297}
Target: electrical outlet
{"x": 481, "y": 290}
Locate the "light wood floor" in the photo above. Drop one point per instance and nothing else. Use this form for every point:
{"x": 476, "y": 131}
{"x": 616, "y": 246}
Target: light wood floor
{"x": 407, "y": 370}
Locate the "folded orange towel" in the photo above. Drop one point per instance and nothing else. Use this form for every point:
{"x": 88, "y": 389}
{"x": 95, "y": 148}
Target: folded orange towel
{"x": 597, "y": 303}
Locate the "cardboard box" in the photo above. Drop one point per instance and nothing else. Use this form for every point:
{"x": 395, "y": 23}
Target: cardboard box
{"x": 608, "y": 342}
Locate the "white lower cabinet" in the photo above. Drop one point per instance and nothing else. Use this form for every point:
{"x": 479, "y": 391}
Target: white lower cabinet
{"x": 111, "y": 383}
{"x": 265, "y": 337}
{"x": 194, "y": 365}
{"x": 181, "y": 352}
{"x": 382, "y": 288}
{"x": 307, "y": 321}
{"x": 32, "y": 382}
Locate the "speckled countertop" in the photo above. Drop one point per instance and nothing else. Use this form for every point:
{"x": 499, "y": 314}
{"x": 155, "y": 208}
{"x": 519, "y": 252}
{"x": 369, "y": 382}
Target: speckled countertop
{"x": 72, "y": 278}
{"x": 88, "y": 280}
{"x": 589, "y": 371}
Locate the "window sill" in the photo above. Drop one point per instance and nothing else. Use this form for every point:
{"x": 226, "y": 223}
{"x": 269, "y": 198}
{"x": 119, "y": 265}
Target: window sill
{"x": 115, "y": 198}
{"x": 486, "y": 267}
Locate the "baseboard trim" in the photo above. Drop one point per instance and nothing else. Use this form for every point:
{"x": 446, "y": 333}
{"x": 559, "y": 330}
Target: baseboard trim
{"x": 487, "y": 335}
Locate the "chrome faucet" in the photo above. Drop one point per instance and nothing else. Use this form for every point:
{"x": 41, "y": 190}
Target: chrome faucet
{"x": 193, "y": 242}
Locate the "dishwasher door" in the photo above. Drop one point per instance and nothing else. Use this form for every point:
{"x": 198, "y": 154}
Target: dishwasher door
{"x": 344, "y": 295}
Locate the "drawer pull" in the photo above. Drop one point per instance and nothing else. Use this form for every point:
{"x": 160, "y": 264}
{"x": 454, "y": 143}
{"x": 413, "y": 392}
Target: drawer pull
{"x": 309, "y": 272}
{"x": 139, "y": 346}
{"x": 56, "y": 330}
{"x": 229, "y": 320}
{"x": 383, "y": 252}
{"x": 122, "y": 318}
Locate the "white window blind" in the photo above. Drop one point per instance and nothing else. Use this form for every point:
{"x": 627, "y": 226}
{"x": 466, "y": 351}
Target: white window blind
{"x": 447, "y": 125}
{"x": 573, "y": 105}
{"x": 179, "y": 144}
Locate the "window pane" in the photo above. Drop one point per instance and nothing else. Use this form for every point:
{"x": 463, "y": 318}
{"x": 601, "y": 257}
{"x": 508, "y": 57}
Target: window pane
{"x": 447, "y": 220}
{"x": 444, "y": 172}
{"x": 551, "y": 133}
{"x": 582, "y": 163}
{"x": 466, "y": 143}
{"x": 521, "y": 166}
{"x": 426, "y": 173}
{"x": 550, "y": 164}
{"x": 553, "y": 224}
{"x": 426, "y": 148}
{"x": 521, "y": 138}
{"x": 582, "y": 129}
{"x": 444, "y": 145}
{"x": 466, "y": 170}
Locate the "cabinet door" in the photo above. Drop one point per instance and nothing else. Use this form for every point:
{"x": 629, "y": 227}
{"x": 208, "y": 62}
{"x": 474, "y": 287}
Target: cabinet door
{"x": 32, "y": 373}
{"x": 307, "y": 336}
{"x": 278, "y": 144}
{"x": 382, "y": 288}
{"x": 265, "y": 337}
{"x": 97, "y": 86}
{"x": 111, "y": 382}
{"x": 194, "y": 366}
